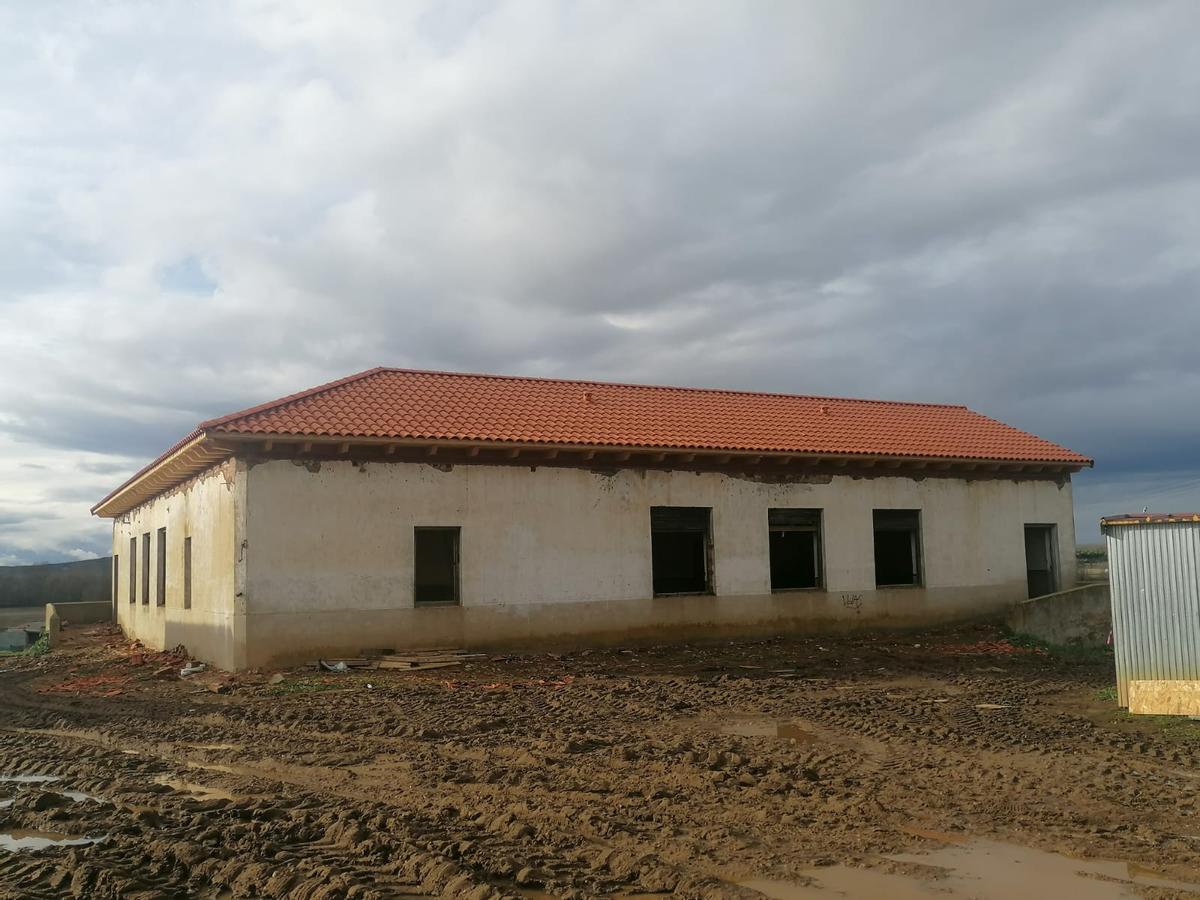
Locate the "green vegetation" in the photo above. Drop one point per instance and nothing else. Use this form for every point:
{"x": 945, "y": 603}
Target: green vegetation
{"x": 309, "y": 685}
{"x": 40, "y": 647}
{"x": 1173, "y": 728}
{"x": 1107, "y": 694}
{"x": 1075, "y": 653}
{"x": 1091, "y": 553}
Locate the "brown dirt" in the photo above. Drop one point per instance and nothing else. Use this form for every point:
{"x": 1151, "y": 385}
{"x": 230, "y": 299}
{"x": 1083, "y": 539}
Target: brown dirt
{"x": 687, "y": 769}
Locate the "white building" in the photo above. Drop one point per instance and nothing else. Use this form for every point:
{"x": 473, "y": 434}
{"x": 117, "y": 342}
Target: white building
{"x": 399, "y": 508}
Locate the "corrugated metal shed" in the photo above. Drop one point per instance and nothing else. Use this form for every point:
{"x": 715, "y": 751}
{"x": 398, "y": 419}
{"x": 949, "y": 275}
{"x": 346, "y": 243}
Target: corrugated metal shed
{"x": 1154, "y": 573}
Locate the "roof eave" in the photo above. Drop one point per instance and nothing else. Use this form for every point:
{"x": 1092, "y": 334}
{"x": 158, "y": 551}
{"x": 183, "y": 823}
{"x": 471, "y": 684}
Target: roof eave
{"x": 165, "y": 473}
{"x": 274, "y": 439}
{"x": 210, "y": 446}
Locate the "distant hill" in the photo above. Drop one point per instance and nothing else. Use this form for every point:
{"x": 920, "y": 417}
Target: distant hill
{"x": 90, "y": 579}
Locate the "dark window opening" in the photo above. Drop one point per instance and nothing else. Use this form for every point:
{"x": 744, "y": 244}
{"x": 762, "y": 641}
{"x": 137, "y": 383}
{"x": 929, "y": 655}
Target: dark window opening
{"x": 1041, "y": 571}
{"x": 116, "y": 592}
{"x": 146, "y": 569}
{"x": 897, "y": 547}
{"x": 795, "y": 548}
{"x": 160, "y": 596}
{"x": 435, "y": 566}
{"x": 681, "y": 549}
{"x": 133, "y": 570}
{"x": 187, "y": 573}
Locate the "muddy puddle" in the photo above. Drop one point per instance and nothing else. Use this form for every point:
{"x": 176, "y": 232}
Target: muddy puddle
{"x": 18, "y": 839}
{"x": 28, "y": 839}
{"x": 975, "y": 869}
{"x": 768, "y": 728}
{"x": 18, "y": 783}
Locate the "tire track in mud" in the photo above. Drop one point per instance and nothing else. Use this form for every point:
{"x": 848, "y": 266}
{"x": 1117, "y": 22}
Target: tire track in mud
{"x": 515, "y": 780}
{"x": 481, "y": 851}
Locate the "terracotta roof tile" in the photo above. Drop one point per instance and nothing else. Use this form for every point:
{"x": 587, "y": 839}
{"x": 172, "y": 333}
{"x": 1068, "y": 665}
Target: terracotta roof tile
{"x": 411, "y": 404}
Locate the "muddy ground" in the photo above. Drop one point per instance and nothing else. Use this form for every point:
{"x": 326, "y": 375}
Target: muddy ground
{"x": 704, "y": 771}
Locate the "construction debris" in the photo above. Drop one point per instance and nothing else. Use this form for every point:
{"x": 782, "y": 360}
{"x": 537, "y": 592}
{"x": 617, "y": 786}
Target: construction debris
{"x": 418, "y": 660}
{"x": 410, "y": 666}
{"x": 409, "y": 661}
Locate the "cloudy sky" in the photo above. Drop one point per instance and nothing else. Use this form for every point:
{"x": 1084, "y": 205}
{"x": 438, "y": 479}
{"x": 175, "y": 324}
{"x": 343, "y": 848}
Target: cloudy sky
{"x": 206, "y": 205}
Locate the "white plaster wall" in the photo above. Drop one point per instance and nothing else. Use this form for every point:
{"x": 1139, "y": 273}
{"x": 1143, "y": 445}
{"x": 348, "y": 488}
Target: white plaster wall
{"x": 558, "y": 552}
{"x": 204, "y": 509}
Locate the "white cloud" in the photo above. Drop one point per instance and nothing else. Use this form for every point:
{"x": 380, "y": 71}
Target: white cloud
{"x": 206, "y": 205}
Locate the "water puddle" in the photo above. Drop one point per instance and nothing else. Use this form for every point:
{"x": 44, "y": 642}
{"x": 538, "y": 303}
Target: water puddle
{"x": 24, "y": 839}
{"x": 23, "y": 781}
{"x": 82, "y": 796}
{"x": 974, "y": 869}
{"x": 769, "y": 728}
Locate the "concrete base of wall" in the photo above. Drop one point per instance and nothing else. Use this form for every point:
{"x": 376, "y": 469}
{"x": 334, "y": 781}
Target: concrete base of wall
{"x": 292, "y": 638}
{"x": 1164, "y": 698}
{"x": 1081, "y": 616}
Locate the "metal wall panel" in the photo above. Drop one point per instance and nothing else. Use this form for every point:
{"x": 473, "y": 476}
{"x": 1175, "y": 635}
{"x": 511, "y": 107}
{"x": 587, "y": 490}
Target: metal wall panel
{"x": 1154, "y": 573}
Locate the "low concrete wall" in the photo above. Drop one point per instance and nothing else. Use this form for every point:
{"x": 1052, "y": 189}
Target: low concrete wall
{"x": 86, "y": 613}
{"x": 1081, "y": 616}
{"x": 58, "y": 614}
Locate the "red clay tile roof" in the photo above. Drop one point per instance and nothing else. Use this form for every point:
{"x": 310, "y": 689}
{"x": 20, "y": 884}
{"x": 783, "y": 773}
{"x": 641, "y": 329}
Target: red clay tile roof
{"x": 410, "y": 404}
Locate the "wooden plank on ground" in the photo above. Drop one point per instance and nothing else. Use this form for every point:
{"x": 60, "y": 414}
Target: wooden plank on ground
{"x": 399, "y": 665}
{"x": 427, "y": 659}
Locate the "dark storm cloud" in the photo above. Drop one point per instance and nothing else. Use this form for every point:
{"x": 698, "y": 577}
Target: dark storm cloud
{"x": 209, "y": 206}
{"x": 100, "y": 433}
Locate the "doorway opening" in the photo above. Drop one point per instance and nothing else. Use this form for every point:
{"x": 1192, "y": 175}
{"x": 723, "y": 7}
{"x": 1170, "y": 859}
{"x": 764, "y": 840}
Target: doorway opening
{"x": 795, "y": 548}
{"x": 681, "y": 549}
{"x": 897, "y": 547}
{"x": 435, "y": 566}
{"x": 1041, "y": 567}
